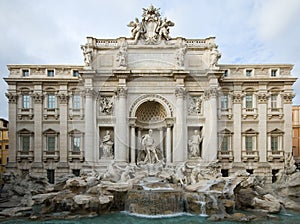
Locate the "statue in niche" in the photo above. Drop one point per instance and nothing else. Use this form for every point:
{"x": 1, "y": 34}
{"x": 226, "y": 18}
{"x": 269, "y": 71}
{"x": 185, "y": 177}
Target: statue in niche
{"x": 214, "y": 57}
{"x": 121, "y": 56}
{"x": 87, "y": 54}
{"x": 195, "y": 105}
{"x": 107, "y": 145}
{"x": 194, "y": 145}
{"x": 150, "y": 153}
{"x": 106, "y": 105}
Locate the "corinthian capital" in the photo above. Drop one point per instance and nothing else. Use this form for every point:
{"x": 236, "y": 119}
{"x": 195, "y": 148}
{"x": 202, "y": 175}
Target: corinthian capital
{"x": 12, "y": 97}
{"x": 262, "y": 97}
{"x": 37, "y": 97}
{"x": 237, "y": 97}
{"x": 121, "y": 91}
{"x": 288, "y": 97}
{"x": 63, "y": 98}
{"x": 88, "y": 92}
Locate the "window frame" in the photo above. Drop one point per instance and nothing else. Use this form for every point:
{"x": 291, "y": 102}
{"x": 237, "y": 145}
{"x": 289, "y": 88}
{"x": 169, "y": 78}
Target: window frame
{"x": 50, "y": 72}
{"x": 26, "y": 103}
{"x": 51, "y": 104}
{"x": 249, "y": 139}
{"x": 247, "y": 102}
{"x": 76, "y": 104}
{"x": 25, "y": 72}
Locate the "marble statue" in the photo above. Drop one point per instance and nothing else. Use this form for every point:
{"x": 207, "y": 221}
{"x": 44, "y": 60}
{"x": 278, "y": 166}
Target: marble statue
{"x": 107, "y": 145}
{"x": 180, "y": 56}
{"x": 122, "y": 55}
{"x": 152, "y": 29}
{"x": 87, "y": 53}
{"x": 214, "y": 57}
{"x": 194, "y": 144}
{"x": 137, "y": 29}
{"x": 164, "y": 28}
{"x": 148, "y": 143}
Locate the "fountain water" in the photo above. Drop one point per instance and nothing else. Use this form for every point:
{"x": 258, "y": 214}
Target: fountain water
{"x": 200, "y": 199}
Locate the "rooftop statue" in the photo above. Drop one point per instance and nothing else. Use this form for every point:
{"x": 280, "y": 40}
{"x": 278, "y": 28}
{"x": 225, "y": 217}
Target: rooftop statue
{"x": 152, "y": 29}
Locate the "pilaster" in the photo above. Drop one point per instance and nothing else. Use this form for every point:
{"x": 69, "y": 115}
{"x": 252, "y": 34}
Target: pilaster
{"x": 121, "y": 136}
{"x": 237, "y": 125}
{"x": 63, "y": 125}
{"x": 12, "y": 116}
{"x": 89, "y": 94}
{"x": 38, "y": 125}
{"x": 262, "y": 124}
{"x": 180, "y": 149}
{"x": 287, "y": 98}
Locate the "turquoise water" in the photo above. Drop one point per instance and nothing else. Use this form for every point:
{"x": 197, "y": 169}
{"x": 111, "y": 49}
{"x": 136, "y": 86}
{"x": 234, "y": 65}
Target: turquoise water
{"x": 125, "y": 218}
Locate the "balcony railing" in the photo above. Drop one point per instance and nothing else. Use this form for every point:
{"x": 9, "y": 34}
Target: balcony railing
{"x": 25, "y": 112}
{"x": 275, "y": 112}
{"x": 250, "y": 112}
{"x": 275, "y": 155}
{"x": 50, "y": 155}
{"x": 51, "y": 112}
{"x": 76, "y": 155}
{"x": 25, "y": 155}
{"x": 225, "y": 155}
{"x": 250, "y": 155}
{"x": 225, "y": 112}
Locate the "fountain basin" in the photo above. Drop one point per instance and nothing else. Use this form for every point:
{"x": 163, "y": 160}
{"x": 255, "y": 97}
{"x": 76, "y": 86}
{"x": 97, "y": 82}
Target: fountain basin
{"x": 157, "y": 202}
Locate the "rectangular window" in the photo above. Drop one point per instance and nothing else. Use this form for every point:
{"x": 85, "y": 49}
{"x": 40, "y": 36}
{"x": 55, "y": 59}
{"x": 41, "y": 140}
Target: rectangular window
{"x": 274, "y": 143}
{"x": 224, "y": 102}
{"x": 6, "y": 146}
{"x": 51, "y": 101}
{"x": 51, "y": 143}
{"x": 226, "y": 73}
{"x": 76, "y": 144}
{"x": 273, "y": 101}
{"x": 75, "y": 73}
{"x": 25, "y": 101}
{"x": 76, "y": 172}
{"x": 25, "y": 72}
{"x": 225, "y": 143}
{"x": 51, "y": 176}
{"x": 249, "y": 101}
{"x": 248, "y": 143}
{"x": 248, "y": 73}
{"x": 273, "y": 72}
{"x": 76, "y": 102}
{"x": 25, "y": 143}
{"x": 50, "y": 73}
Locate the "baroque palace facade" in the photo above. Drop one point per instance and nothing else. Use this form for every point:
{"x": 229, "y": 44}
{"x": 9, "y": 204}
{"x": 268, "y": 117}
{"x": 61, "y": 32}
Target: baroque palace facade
{"x": 67, "y": 119}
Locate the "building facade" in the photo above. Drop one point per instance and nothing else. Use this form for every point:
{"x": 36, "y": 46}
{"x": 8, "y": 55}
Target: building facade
{"x": 77, "y": 118}
{"x": 3, "y": 145}
{"x": 296, "y": 133}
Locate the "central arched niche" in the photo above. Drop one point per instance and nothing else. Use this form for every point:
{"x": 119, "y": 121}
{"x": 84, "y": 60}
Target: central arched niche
{"x": 150, "y": 112}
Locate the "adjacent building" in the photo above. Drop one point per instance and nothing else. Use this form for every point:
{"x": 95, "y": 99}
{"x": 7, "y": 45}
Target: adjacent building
{"x": 3, "y": 145}
{"x": 78, "y": 118}
{"x": 296, "y": 133}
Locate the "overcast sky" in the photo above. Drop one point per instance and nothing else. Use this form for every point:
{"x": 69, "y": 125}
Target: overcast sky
{"x": 51, "y": 32}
